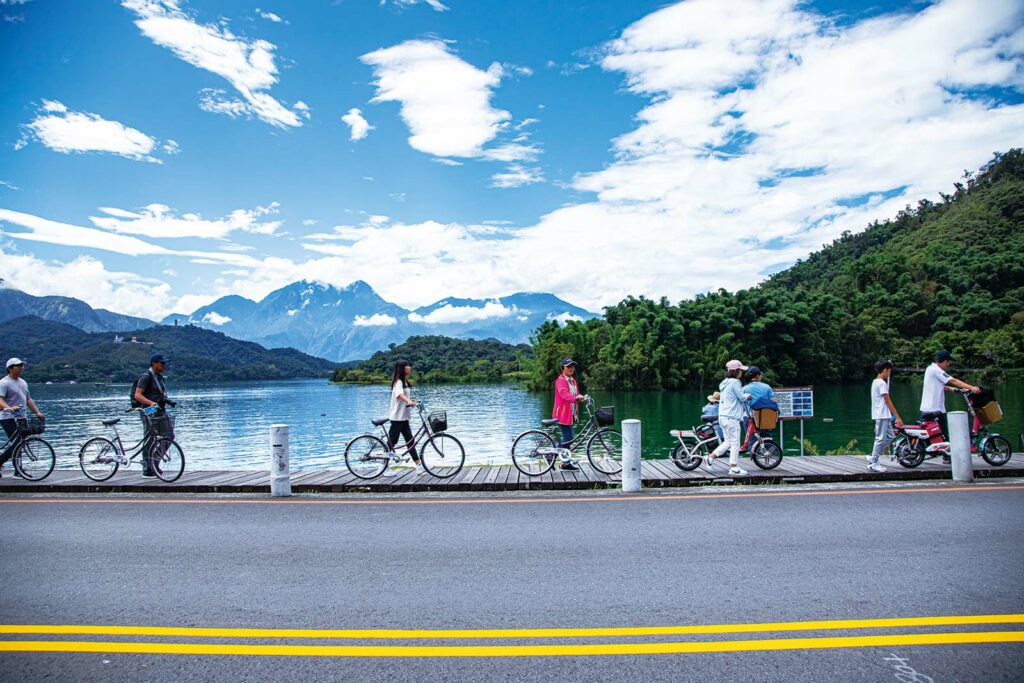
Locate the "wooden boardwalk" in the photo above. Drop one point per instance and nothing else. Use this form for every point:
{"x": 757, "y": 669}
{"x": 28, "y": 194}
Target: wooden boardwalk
{"x": 655, "y": 473}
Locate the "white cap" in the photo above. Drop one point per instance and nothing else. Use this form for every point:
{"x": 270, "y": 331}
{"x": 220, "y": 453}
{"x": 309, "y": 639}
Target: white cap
{"x": 14, "y": 361}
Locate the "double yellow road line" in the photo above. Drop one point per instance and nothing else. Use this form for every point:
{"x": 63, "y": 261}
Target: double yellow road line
{"x": 502, "y": 650}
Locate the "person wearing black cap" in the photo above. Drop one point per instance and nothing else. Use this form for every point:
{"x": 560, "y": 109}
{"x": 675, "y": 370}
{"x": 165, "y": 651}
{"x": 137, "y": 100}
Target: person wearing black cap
{"x": 936, "y": 382}
{"x": 567, "y": 400}
{"x": 151, "y": 391}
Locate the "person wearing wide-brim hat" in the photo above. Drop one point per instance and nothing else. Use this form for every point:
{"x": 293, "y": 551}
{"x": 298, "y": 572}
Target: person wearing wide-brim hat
{"x": 711, "y": 411}
{"x": 731, "y": 411}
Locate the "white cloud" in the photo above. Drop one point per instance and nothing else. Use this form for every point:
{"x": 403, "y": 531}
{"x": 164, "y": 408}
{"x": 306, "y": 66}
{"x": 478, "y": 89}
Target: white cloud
{"x": 375, "y": 320}
{"x": 445, "y": 101}
{"x": 87, "y": 279}
{"x": 270, "y": 16}
{"x": 565, "y": 317}
{"x": 215, "y": 318}
{"x": 516, "y": 176}
{"x": 446, "y": 162}
{"x": 37, "y": 229}
{"x": 9, "y": 186}
{"x": 359, "y": 127}
{"x": 62, "y": 130}
{"x": 158, "y": 220}
{"x": 448, "y": 314}
{"x": 437, "y": 5}
{"x": 248, "y": 65}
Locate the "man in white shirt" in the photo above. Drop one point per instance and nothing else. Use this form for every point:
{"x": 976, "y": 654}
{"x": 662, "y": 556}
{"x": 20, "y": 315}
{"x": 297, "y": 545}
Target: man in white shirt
{"x": 936, "y": 382}
{"x": 882, "y": 412}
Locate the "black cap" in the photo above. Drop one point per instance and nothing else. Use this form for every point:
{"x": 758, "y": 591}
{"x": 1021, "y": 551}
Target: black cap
{"x": 566, "y": 362}
{"x": 754, "y": 370}
{"x": 943, "y": 355}
{"x": 158, "y": 358}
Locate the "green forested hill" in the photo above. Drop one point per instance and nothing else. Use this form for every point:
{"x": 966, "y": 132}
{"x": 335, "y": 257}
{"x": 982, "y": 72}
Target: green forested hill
{"x": 438, "y": 359}
{"x": 939, "y": 275}
{"x": 59, "y": 353}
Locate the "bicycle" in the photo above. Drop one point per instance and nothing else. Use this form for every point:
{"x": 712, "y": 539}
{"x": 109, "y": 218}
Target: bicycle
{"x": 697, "y": 443}
{"x": 33, "y": 457}
{"x": 535, "y": 451}
{"x": 442, "y": 455}
{"x": 913, "y": 442}
{"x": 100, "y": 457}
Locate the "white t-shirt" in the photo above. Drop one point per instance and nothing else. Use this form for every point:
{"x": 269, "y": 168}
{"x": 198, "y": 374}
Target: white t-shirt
{"x": 933, "y": 398}
{"x": 399, "y": 409}
{"x": 879, "y": 408}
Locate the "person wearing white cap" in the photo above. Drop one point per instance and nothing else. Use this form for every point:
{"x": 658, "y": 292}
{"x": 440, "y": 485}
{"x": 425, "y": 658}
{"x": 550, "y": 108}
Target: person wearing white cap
{"x": 14, "y": 397}
{"x": 730, "y": 417}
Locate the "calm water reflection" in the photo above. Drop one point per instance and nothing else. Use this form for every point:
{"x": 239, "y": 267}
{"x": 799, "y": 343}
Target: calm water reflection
{"x": 224, "y": 426}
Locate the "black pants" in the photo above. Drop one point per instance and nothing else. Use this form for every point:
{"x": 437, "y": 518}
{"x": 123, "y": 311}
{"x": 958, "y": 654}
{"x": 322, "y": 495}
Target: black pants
{"x": 401, "y": 427}
{"x": 11, "y": 429}
{"x": 943, "y": 421}
{"x": 153, "y": 426}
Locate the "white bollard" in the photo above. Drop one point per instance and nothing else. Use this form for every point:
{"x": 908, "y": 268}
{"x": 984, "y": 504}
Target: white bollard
{"x": 630, "y": 456}
{"x": 960, "y": 446}
{"x": 280, "y": 478}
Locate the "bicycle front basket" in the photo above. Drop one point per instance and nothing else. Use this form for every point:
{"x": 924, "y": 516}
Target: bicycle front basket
{"x": 31, "y": 425}
{"x": 606, "y": 416}
{"x": 438, "y": 421}
{"x": 161, "y": 423}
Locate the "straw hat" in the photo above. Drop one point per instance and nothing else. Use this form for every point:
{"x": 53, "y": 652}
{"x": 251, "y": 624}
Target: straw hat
{"x": 715, "y": 397}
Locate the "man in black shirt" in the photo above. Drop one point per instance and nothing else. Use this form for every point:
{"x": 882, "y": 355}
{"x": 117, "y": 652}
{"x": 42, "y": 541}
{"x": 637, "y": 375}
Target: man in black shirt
{"x": 151, "y": 391}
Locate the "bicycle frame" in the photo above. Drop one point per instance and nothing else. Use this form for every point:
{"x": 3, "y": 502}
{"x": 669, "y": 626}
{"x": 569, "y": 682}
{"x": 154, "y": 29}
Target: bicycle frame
{"x": 589, "y": 429}
{"x": 980, "y": 435}
{"x": 423, "y": 429}
{"x": 128, "y": 455}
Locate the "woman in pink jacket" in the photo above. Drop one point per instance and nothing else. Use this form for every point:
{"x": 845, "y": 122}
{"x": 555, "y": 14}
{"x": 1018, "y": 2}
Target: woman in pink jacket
{"x": 567, "y": 400}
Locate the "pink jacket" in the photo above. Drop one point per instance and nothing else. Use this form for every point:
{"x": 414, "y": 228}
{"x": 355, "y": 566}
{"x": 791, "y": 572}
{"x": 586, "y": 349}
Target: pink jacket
{"x": 565, "y": 402}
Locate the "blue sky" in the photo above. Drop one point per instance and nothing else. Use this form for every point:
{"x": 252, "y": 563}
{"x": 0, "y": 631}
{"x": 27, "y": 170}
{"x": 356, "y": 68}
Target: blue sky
{"x": 157, "y": 154}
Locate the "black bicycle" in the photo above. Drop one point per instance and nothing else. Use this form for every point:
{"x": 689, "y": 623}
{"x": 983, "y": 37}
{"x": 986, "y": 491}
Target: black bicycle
{"x": 535, "y": 451}
{"x": 368, "y": 456}
{"x": 100, "y": 457}
{"x": 33, "y": 457}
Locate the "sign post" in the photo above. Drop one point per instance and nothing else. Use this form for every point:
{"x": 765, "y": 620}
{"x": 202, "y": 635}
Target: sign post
{"x": 795, "y": 403}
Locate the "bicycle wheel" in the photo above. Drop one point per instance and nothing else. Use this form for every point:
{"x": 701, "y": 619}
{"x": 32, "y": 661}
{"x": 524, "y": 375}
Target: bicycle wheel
{"x": 910, "y": 455}
{"x": 167, "y": 458}
{"x": 442, "y": 455}
{"x": 604, "y": 451}
{"x": 997, "y": 451}
{"x": 767, "y": 455}
{"x": 533, "y": 453}
{"x": 685, "y": 459}
{"x": 366, "y": 456}
{"x": 34, "y": 459}
{"x": 98, "y": 459}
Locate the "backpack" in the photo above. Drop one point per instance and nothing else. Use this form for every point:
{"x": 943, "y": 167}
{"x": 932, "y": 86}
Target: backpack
{"x": 131, "y": 396}
{"x": 135, "y": 385}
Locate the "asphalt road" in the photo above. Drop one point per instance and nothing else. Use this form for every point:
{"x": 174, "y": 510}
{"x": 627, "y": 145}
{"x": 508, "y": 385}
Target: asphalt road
{"x": 568, "y": 562}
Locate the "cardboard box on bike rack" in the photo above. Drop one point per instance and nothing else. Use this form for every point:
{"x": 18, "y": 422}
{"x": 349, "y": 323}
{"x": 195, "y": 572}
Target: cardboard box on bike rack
{"x": 990, "y": 413}
{"x": 766, "y": 418}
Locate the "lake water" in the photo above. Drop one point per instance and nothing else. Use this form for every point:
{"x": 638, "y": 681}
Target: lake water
{"x": 225, "y": 425}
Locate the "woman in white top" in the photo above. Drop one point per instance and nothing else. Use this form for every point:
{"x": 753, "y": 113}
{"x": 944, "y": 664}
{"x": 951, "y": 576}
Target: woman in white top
{"x": 731, "y": 412}
{"x": 400, "y": 404}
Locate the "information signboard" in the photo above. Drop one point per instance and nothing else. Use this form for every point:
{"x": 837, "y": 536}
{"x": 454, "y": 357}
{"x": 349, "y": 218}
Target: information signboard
{"x": 795, "y": 403}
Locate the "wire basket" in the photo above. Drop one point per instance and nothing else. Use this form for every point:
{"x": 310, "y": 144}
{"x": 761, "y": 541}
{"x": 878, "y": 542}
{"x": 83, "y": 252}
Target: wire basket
{"x": 605, "y": 416}
{"x": 162, "y": 423}
{"x": 438, "y": 421}
{"x": 31, "y": 425}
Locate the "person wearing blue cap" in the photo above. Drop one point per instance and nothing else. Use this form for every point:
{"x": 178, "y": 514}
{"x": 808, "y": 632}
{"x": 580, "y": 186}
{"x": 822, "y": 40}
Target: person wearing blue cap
{"x": 933, "y": 399}
{"x": 151, "y": 391}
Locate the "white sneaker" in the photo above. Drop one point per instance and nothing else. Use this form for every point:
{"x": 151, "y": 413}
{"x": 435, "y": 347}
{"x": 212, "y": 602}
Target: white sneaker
{"x": 420, "y": 469}
{"x": 709, "y": 460}
{"x": 875, "y": 467}
{"x": 737, "y": 471}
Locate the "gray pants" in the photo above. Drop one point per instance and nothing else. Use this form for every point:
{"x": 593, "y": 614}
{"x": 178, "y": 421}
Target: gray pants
{"x": 884, "y": 435}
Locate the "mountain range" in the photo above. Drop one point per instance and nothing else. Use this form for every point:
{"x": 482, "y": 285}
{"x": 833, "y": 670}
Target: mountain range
{"x": 354, "y": 322}
{"x": 62, "y": 309}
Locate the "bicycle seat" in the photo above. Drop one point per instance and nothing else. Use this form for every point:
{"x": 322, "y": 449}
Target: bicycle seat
{"x": 548, "y": 423}
{"x": 708, "y": 419}
{"x": 111, "y": 422}
{"x": 378, "y": 421}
